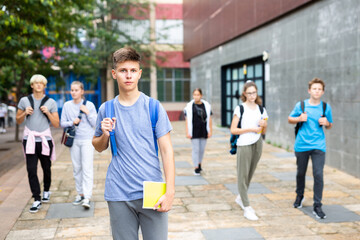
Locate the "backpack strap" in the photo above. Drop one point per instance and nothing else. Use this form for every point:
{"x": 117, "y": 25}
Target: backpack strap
{"x": 43, "y": 101}
{"x": 31, "y": 100}
{"x": 84, "y": 103}
{"x": 109, "y": 113}
{"x": 324, "y": 108}
{"x": 154, "y": 116}
{"x": 302, "y": 106}
{"x": 241, "y": 115}
{"x": 261, "y": 109}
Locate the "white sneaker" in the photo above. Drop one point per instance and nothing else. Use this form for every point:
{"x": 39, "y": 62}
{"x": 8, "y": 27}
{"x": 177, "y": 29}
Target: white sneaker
{"x": 35, "y": 207}
{"x": 249, "y": 213}
{"x": 239, "y": 201}
{"x": 78, "y": 200}
{"x": 86, "y": 203}
{"x": 46, "y": 196}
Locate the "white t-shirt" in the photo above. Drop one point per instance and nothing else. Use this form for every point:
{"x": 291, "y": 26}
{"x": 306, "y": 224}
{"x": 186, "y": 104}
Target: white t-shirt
{"x": 3, "y": 111}
{"x": 250, "y": 119}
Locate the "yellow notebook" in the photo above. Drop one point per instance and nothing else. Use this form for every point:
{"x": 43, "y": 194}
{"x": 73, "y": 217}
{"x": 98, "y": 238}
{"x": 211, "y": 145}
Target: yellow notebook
{"x": 152, "y": 191}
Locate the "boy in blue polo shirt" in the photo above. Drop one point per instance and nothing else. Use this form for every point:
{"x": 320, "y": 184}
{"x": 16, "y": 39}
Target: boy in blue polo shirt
{"x": 310, "y": 141}
{"x": 136, "y": 160}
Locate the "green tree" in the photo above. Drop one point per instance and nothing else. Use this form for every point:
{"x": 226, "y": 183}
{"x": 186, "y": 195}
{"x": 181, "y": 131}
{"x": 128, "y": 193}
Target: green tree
{"x": 115, "y": 22}
{"x": 27, "y": 26}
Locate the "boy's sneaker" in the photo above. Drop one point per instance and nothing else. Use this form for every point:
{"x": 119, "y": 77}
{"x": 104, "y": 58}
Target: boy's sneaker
{"x": 46, "y": 196}
{"x": 239, "y": 201}
{"x": 249, "y": 213}
{"x": 197, "y": 171}
{"x": 86, "y": 203}
{"x": 35, "y": 207}
{"x": 200, "y": 169}
{"x": 319, "y": 213}
{"x": 298, "y": 201}
{"x": 78, "y": 200}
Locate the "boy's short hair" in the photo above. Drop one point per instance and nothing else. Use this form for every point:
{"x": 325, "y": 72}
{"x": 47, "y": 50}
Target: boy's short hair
{"x": 317, "y": 80}
{"x": 125, "y": 54}
{"x": 38, "y": 78}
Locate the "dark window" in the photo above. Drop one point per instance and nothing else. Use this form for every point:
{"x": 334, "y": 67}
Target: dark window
{"x": 173, "y": 84}
{"x": 234, "y": 77}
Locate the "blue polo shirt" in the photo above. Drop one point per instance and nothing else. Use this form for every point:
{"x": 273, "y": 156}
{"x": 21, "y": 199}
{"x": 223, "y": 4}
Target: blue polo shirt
{"x": 136, "y": 160}
{"x": 311, "y": 135}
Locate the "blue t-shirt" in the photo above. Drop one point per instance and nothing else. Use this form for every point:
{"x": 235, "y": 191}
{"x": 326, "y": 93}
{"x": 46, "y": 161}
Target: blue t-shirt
{"x": 136, "y": 160}
{"x": 311, "y": 135}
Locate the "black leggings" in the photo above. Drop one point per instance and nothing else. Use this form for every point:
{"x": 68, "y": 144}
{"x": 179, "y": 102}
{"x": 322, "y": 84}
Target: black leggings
{"x": 31, "y": 166}
{"x": 2, "y": 122}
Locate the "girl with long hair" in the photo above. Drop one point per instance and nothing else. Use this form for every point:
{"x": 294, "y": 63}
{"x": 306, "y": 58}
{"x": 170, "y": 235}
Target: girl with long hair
{"x": 249, "y": 143}
{"x": 198, "y": 127}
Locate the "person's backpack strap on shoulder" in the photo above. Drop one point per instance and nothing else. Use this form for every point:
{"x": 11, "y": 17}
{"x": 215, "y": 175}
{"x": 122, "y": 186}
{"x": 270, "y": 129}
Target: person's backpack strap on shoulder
{"x": 324, "y": 108}
{"x": 241, "y": 115}
{"x": 31, "y": 100}
{"x": 153, "y": 109}
{"x": 109, "y": 113}
{"x": 261, "y": 109}
{"x": 299, "y": 124}
{"x": 154, "y": 116}
{"x": 234, "y": 138}
{"x": 43, "y": 101}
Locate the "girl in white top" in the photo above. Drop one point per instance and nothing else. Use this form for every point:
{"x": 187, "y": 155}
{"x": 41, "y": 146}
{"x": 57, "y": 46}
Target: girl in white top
{"x": 249, "y": 143}
{"x": 82, "y": 150}
{"x": 198, "y": 124}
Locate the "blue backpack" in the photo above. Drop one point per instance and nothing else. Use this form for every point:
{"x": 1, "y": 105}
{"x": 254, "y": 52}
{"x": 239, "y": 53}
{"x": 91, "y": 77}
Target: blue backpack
{"x": 153, "y": 109}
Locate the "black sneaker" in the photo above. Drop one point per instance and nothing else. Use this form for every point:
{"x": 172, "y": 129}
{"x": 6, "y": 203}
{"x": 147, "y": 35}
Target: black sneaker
{"x": 319, "y": 213}
{"x": 199, "y": 167}
{"x": 46, "y": 196}
{"x": 298, "y": 201}
{"x": 35, "y": 207}
{"x": 197, "y": 171}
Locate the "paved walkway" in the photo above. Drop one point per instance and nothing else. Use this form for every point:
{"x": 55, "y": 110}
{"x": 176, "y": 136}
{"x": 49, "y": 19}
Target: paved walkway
{"x": 204, "y": 206}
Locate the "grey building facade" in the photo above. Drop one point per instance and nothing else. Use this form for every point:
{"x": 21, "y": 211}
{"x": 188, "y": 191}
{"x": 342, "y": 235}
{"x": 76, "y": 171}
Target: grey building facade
{"x": 315, "y": 39}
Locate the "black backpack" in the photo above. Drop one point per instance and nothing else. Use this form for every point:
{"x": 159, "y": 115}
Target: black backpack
{"x": 234, "y": 138}
{"x": 43, "y": 101}
{"x": 299, "y": 124}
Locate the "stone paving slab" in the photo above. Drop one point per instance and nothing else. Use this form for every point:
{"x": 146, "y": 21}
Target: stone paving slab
{"x": 254, "y": 188}
{"x": 182, "y": 146}
{"x": 283, "y": 154}
{"x": 182, "y": 164}
{"x": 334, "y": 214}
{"x": 288, "y": 176}
{"x": 189, "y": 180}
{"x": 68, "y": 210}
{"x": 232, "y": 234}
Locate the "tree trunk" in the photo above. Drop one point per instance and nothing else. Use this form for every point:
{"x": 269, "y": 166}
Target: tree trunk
{"x": 19, "y": 94}
{"x": 103, "y": 75}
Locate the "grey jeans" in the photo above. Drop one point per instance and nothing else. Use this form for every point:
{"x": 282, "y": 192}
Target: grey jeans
{"x": 318, "y": 162}
{"x": 126, "y": 217}
{"x": 198, "y": 149}
{"x": 247, "y": 160}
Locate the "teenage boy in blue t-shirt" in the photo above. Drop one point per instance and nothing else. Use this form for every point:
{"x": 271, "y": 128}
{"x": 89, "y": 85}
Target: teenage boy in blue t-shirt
{"x": 136, "y": 160}
{"x": 310, "y": 141}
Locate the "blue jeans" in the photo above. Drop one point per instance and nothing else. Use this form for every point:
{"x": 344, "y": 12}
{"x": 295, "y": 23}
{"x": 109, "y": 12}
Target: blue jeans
{"x": 318, "y": 162}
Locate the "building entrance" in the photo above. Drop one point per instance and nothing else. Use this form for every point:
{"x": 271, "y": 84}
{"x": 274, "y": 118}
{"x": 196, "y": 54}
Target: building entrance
{"x": 233, "y": 79}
